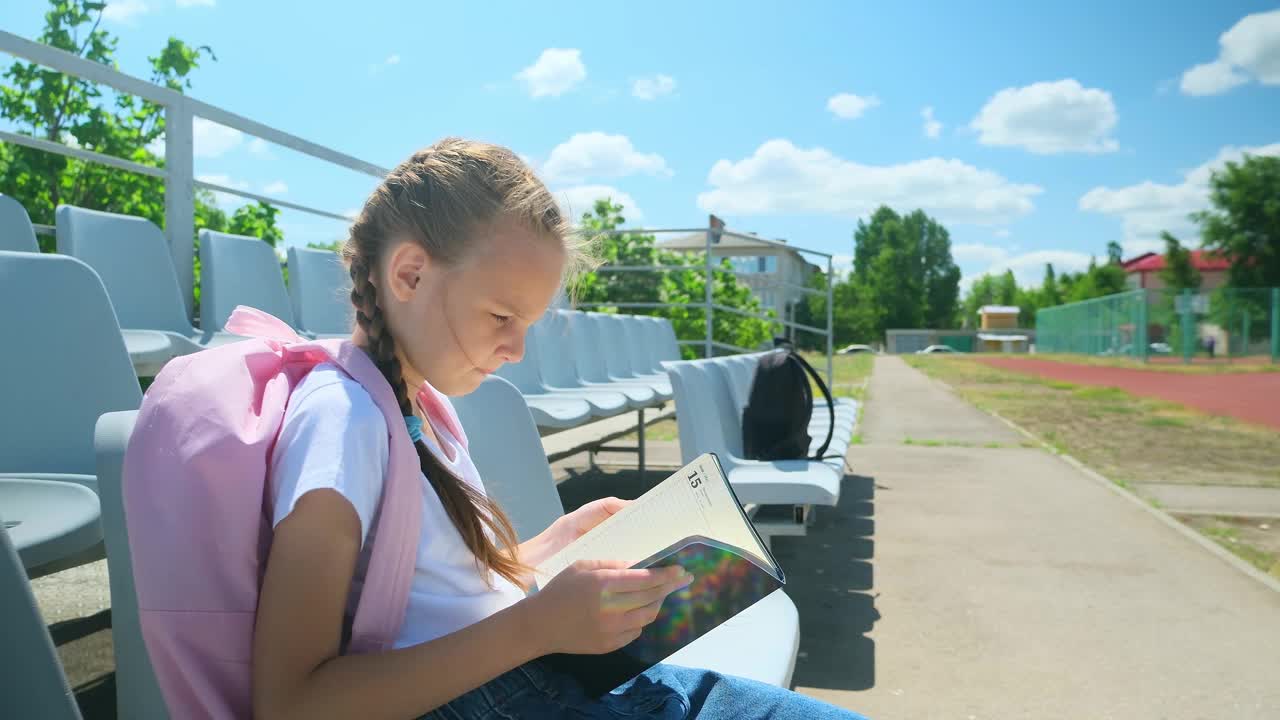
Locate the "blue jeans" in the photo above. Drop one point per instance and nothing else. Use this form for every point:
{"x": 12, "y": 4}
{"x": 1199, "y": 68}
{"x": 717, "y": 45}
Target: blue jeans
{"x": 535, "y": 692}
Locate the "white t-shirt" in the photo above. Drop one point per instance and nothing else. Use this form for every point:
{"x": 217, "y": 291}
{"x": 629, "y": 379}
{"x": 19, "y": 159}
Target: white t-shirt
{"x": 335, "y": 437}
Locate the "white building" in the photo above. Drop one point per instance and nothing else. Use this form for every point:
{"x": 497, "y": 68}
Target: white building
{"x": 762, "y": 266}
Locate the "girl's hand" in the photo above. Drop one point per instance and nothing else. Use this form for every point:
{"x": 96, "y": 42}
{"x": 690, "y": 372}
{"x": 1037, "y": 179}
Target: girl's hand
{"x": 577, "y": 523}
{"x": 565, "y": 530}
{"x": 597, "y": 606}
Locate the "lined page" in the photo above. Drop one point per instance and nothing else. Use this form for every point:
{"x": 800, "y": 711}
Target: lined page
{"x": 694, "y": 501}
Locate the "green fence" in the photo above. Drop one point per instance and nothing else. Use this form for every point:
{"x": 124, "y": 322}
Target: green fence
{"x": 1219, "y": 325}
{"x": 962, "y": 343}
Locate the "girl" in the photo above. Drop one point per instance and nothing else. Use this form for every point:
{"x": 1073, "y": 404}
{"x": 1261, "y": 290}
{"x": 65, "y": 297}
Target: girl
{"x": 453, "y": 257}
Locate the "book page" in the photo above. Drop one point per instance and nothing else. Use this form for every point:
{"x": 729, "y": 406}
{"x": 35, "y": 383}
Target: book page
{"x": 694, "y": 501}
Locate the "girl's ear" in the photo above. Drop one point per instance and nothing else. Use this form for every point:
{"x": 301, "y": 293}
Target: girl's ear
{"x": 407, "y": 263}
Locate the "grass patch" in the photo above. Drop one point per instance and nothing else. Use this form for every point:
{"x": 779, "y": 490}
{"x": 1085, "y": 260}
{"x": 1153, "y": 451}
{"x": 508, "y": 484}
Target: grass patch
{"x": 849, "y": 379}
{"x": 662, "y": 431}
{"x": 849, "y": 372}
{"x": 1119, "y": 435}
{"x": 1257, "y": 542}
{"x": 1118, "y": 409}
{"x": 1104, "y": 394}
{"x": 1160, "y": 421}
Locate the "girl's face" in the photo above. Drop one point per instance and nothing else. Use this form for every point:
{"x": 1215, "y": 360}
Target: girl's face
{"x": 453, "y": 326}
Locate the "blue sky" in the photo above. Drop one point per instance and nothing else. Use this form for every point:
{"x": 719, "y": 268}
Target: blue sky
{"x": 1035, "y": 133}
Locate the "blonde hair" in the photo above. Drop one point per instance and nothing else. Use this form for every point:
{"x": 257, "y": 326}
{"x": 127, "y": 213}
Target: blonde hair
{"x": 438, "y": 198}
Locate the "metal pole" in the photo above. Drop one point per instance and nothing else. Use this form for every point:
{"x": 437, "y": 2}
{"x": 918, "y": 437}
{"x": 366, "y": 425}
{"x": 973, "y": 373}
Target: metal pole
{"x": 708, "y": 310}
{"x": 1188, "y": 329}
{"x": 1143, "y": 346}
{"x": 180, "y": 197}
{"x": 1244, "y": 331}
{"x": 830, "y": 295}
{"x": 1275, "y": 324}
{"x": 640, "y": 450}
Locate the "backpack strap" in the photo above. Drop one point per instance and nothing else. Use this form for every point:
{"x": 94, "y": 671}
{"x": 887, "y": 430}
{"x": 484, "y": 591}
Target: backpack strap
{"x": 380, "y": 613}
{"x": 831, "y": 406}
{"x": 393, "y": 555}
{"x": 392, "y": 558}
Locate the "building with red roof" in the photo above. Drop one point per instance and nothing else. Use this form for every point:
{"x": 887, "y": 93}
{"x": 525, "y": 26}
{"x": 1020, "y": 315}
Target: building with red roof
{"x": 1144, "y": 270}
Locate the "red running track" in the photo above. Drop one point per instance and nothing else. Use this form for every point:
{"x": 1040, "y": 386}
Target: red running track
{"x": 1252, "y": 397}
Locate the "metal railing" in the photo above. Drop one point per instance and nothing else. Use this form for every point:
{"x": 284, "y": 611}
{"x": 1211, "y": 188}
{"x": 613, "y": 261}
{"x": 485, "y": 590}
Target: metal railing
{"x": 709, "y": 268}
{"x": 180, "y": 185}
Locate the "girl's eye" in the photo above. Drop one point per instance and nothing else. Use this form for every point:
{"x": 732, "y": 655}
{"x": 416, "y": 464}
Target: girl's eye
{"x": 502, "y": 319}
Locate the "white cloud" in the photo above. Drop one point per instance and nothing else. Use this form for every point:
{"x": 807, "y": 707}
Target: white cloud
{"x": 1028, "y": 268}
{"x": 224, "y": 180}
{"x": 849, "y": 106}
{"x": 392, "y": 59}
{"x": 124, "y": 11}
{"x": 555, "y": 73}
{"x": 932, "y": 128}
{"x": 276, "y": 188}
{"x": 1002, "y": 233}
{"x": 258, "y": 146}
{"x": 574, "y": 201}
{"x": 978, "y": 253}
{"x": 1250, "y": 49}
{"x": 1211, "y": 79}
{"x": 195, "y": 3}
{"x": 842, "y": 264}
{"x": 1148, "y": 207}
{"x": 212, "y": 140}
{"x": 353, "y": 213}
{"x": 1048, "y": 118}
{"x": 652, "y": 88}
{"x": 597, "y": 155}
{"x": 782, "y": 178}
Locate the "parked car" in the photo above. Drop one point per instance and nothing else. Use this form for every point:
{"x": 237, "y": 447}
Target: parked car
{"x": 1160, "y": 348}
{"x": 854, "y": 349}
{"x": 932, "y": 349}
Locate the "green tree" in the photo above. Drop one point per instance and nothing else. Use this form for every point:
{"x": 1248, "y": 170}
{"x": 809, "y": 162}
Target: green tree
{"x": 44, "y": 103}
{"x": 941, "y": 274}
{"x": 999, "y": 289}
{"x": 1007, "y": 289}
{"x": 257, "y": 220}
{"x": 672, "y": 286}
{"x": 1096, "y": 281}
{"x": 903, "y": 275}
{"x": 1049, "y": 294}
{"x": 1178, "y": 272}
{"x": 983, "y": 291}
{"x": 1115, "y": 254}
{"x": 1243, "y": 221}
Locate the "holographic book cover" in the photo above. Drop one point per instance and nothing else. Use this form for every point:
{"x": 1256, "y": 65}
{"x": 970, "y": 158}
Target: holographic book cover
{"x": 727, "y": 580}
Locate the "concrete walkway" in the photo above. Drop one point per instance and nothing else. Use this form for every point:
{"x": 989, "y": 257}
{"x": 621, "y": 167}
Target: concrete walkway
{"x": 1011, "y": 585}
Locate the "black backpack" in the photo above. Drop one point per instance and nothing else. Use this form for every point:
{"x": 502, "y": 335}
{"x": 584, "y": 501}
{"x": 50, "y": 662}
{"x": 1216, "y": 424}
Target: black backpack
{"x": 775, "y": 422}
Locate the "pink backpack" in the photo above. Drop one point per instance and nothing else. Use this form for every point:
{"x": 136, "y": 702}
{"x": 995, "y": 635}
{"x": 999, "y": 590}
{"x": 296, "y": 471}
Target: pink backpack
{"x": 197, "y": 504}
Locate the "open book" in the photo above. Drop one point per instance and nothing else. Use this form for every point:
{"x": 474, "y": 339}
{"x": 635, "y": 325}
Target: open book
{"x": 692, "y": 519}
